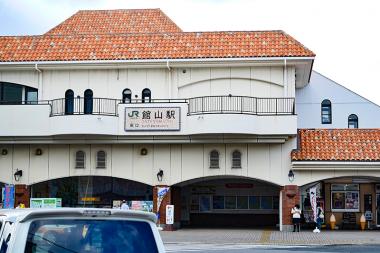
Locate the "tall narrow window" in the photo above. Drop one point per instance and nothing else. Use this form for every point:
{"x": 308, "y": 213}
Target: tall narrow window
{"x": 326, "y": 115}
{"x": 31, "y": 95}
{"x": 214, "y": 159}
{"x": 146, "y": 96}
{"x": 88, "y": 101}
{"x": 101, "y": 157}
{"x": 127, "y": 96}
{"x": 80, "y": 160}
{"x": 236, "y": 159}
{"x": 69, "y": 102}
{"x": 353, "y": 121}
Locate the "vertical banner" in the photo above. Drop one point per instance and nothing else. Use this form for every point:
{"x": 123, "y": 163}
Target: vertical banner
{"x": 313, "y": 201}
{"x": 9, "y": 196}
{"x": 170, "y": 214}
{"x": 161, "y": 192}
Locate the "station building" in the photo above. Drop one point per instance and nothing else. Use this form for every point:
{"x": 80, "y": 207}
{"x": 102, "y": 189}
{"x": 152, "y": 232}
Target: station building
{"x": 96, "y": 112}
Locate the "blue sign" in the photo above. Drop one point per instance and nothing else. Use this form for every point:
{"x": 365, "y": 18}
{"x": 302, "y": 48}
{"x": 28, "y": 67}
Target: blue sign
{"x": 9, "y": 196}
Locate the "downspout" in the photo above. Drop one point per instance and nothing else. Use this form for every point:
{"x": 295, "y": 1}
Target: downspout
{"x": 39, "y": 82}
{"x": 170, "y": 80}
{"x": 285, "y": 80}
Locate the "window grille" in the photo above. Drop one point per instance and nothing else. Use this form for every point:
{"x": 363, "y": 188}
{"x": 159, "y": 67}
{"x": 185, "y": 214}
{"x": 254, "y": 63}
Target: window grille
{"x": 80, "y": 160}
{"x": 101, "y": 159}
{"x": 214, "y": 159}
{"x": 236, "y": 159}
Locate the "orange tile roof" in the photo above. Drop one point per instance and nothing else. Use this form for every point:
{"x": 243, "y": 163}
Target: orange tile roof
{"x": 338, "y": 145}
{"x": 115, "y": 21}
{"x": 182, "y": 45}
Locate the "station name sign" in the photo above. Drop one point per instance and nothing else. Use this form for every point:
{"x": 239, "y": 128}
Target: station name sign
{"x": 152, "y": 118}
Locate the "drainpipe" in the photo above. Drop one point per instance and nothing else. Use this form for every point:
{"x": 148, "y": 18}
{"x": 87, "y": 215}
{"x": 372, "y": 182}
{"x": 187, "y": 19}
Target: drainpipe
{"x": 285, "y": 80}
{"x": 170, "y": 80}
{"x": 39, "y": 81}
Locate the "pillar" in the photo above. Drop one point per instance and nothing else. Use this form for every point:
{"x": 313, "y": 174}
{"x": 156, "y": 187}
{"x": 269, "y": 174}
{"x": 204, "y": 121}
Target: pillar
{"x": 22, "y": 194}
{"x": 290, "y": 197}
{"x": 167, "y": 200}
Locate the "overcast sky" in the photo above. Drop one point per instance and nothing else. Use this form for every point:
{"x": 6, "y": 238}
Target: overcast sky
{"x": 345, "y": 34}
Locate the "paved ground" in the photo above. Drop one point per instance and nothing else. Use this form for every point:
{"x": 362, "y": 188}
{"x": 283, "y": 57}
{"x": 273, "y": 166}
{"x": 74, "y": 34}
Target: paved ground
{"x": 267, "y": 237}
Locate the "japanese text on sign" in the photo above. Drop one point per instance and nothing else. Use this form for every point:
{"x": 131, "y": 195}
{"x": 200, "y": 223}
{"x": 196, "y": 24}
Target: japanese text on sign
{"x": 152, "y": 118}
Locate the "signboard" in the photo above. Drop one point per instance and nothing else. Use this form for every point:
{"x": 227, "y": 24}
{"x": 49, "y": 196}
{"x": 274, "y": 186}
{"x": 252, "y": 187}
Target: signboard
{"x": 170, "y": 214}
{"x": 152, "y": 118}
{"x": 45, "y": 202}
{"x": 142, "y": 205}
{"x": 9, "y": 196}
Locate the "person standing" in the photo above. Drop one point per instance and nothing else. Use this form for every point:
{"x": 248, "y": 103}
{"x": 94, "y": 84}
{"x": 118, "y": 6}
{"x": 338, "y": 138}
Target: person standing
{"x": 296, "y": 215}
{"x": 320, "y": 217}
{"x": 124, "y": 205}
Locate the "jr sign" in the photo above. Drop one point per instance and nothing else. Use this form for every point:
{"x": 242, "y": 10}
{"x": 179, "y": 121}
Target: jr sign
{"x": 152, "y": 118}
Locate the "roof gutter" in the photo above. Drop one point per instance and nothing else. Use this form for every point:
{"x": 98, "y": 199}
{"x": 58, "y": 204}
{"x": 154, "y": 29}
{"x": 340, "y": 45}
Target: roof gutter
{"x": 328, "y": 165}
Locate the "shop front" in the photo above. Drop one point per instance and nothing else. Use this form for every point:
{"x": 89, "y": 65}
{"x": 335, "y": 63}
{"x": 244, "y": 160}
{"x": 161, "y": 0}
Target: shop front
{"x": 347, "y": 199}
{"x": 229, "y": 202}
{"x": 94, "y": 191}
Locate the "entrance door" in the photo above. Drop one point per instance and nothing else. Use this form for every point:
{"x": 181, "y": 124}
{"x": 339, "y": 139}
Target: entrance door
{"x": 378, "y": 209}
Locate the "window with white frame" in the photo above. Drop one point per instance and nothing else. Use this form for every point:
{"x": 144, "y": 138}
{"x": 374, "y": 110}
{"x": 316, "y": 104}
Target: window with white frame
{"x": 214, "y": 159}
{"x": 345, "y": 197}
{"x": 101, "y": 157}
{"x": 236, "y": 159}
{"x": 80, "y": 160}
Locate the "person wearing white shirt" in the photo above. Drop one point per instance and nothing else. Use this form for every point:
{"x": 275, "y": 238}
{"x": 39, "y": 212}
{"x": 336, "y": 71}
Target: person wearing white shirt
{"x": 124, "y": 205}
{"x": 296, "y": 214}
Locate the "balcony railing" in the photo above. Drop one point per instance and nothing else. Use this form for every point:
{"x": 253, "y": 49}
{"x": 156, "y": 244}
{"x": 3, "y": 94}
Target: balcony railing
{"x": 241, "y": 105}
{"x": 79, "y": 106}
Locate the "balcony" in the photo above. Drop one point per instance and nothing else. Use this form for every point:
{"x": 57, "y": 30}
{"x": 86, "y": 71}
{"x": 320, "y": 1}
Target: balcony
{"x": 196, "y": 116}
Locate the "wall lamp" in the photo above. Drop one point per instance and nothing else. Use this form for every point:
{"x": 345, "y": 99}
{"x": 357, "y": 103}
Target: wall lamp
{"x": 17, "y": 175}
{"x": 38, "y": 151}
{"x": 291, "y": 176}
{"x": 143, "y": 151}
{"x": 160, "y": 175}
{"x": 4, "y": 151}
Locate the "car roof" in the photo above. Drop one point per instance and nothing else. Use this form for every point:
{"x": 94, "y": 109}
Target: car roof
{"x": 29, "y": 214}
{"x": 12, "y": 214}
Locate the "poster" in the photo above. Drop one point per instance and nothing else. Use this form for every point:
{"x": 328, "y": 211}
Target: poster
{"x": 170, "y": 214}
{"x": 161, "y": 192}
{"x": 45, "y": 202}
{"x": 9, "y": 196}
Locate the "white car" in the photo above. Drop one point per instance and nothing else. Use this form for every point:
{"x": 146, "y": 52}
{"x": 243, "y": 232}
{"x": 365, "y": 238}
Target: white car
{"x": 79, "y": 230}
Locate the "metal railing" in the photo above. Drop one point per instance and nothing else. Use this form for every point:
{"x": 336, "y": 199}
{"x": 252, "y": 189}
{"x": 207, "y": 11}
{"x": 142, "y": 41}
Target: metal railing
{"x": 80, "y": 106}
{"x": 241, "y": 105}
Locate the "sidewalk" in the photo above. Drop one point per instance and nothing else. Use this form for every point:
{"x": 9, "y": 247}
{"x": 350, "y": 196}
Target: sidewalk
{"x": 269, "y": 237}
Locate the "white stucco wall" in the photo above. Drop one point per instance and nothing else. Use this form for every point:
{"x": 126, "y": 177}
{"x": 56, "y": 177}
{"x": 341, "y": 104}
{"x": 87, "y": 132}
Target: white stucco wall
{"x": 343, "y": 101}
{"x": 180, "y": 162}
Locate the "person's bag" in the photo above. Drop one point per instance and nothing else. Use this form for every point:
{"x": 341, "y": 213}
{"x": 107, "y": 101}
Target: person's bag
{"x": 322, "y": 216}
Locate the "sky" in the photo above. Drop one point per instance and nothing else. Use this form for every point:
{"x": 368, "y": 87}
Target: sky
{"x": 344, "y": 34}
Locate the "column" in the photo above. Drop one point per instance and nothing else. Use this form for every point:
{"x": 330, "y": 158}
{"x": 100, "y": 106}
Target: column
{"x": 290, "y": 197}
{"x": 22, "y": 194}
{"x": 162, "y": 209}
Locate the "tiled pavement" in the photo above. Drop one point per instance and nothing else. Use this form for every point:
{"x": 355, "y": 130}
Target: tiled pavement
{"x": 272, "y": 237}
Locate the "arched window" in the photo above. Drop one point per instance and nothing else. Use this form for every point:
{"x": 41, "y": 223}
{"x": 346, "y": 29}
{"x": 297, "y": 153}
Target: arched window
{"x": 214, "y": 159}
{"x": 80, "y": 160}
{"x": 69, "y": 102}
{"x": 101, "y": 157}
{"x": 146, "y": 96}
{"x": 353, "y": 121}
{"x": 88, "y": 101}
{"x": 236, "y": 159}
{"x": 127, "y": 96}
{"x": 326, "y": 115}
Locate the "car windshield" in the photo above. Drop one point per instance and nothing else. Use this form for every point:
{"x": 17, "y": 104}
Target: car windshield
{"x": 95, "y": 236}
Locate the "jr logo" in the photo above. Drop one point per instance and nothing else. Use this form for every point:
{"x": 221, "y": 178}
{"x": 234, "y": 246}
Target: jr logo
{"x": 133, "y": 114}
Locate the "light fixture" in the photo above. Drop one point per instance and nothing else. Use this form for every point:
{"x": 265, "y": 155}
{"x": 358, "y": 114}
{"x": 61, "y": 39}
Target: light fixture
{"x": 143, "y": 151}
{"x": 4, "y": 151}
{"x": 291, "y": 176}
{"x": 38, "y": 151}
{"x": 160, "y": 175}
{"x": 17, "y": 175}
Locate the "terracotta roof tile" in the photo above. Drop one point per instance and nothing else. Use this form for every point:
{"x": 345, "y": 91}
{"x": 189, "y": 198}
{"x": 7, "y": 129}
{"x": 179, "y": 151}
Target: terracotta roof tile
{"x": 182, "y": 45}
{"x": 116, "y": 21}
{"x": 338, "y": 145}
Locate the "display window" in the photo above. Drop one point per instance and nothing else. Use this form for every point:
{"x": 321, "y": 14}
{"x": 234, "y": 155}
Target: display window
{"x": 345, "y": 197}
